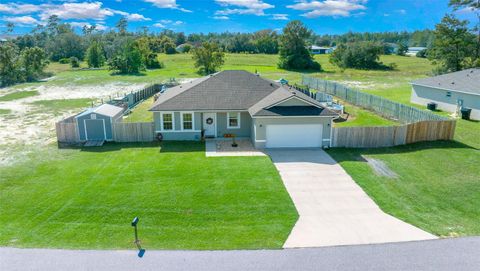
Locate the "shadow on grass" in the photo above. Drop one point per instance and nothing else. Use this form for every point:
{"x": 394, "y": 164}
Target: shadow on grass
{"x": 164, "y": 147}
{"x": 354, "y": 154}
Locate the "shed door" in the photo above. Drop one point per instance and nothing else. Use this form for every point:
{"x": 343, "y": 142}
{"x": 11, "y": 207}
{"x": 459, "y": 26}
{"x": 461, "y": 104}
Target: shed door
{"x": 95, "y": 129}
{"x": 294, "y": 136}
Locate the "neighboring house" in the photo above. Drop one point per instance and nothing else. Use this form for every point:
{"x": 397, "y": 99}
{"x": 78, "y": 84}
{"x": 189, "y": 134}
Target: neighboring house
{"x": 96, "y": 123}
{"x": 317, "y": 50}
{"x": 245, "y": 105}
{"x": 412, "y": 51}
{"x": 450, "y": 91}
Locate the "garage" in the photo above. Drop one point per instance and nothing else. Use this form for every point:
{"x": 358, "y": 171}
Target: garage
{"x": 294, "y": 135}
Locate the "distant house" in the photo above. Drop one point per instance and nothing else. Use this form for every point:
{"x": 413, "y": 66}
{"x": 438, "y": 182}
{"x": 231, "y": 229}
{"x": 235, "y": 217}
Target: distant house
{"x": 450, "y": 91}
{"x": 245, "y": 105}
{"x": 318, "y": 50}
{"x": 412, "y": 51}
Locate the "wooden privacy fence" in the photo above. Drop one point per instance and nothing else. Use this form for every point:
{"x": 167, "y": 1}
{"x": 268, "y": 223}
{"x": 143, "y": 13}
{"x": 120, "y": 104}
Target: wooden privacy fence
{"x": 133, "y": 131}
{"x": 67, "y": 130}
{"x": 377, "y": 137}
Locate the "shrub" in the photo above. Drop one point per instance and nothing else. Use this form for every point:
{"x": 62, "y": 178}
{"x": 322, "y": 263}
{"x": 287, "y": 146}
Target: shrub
{"x": 64, "y": 61}
{"x": 358, "y": 55}
{"x": 74, "y": 62}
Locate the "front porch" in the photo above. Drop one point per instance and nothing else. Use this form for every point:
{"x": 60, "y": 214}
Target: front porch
{"x": 218, "y": 147}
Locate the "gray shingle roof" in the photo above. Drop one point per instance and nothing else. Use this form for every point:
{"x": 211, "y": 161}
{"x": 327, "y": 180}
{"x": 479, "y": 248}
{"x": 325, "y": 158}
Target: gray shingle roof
{"x": 104, "y": 109}
{"x": 235, "y": 90}
{"x": 465, "y": 81}
{"x": 226, "y": 90}
{"x": 291, "y": 111}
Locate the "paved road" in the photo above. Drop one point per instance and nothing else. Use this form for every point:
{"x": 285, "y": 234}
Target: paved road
{"x": 445, "y": 254}
{"x": 333, "y": 209}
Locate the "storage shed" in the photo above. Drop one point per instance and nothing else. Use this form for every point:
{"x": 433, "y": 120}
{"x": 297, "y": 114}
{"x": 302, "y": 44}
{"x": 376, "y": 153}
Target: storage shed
{"x": 96, "y": 123}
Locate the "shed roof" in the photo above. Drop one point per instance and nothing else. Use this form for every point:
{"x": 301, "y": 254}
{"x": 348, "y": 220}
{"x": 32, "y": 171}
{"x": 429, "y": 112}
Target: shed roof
{"x": 104, "y": 109}
{"x": 467, "y": 81}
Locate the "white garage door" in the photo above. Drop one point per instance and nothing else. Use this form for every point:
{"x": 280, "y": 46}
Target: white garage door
{"x": 294, "y": 136}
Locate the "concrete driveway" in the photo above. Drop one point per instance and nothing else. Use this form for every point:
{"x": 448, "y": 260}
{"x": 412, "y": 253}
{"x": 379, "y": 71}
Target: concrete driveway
{"x": 333, "y": 209}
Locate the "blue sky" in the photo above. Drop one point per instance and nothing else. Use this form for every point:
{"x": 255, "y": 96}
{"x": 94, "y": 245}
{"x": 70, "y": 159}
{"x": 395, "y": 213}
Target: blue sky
{"x": 323, "y": 16}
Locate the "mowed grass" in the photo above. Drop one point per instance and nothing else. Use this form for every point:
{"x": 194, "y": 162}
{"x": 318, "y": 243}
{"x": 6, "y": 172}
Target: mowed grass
{"x": 86, "y": 198}
{"x": 61, "y": 105}
{"x": 355, "y": 117}
{"x": 140, "y": 113}
{"x": 438, "y": 188}
{"x": 17, "y": 95}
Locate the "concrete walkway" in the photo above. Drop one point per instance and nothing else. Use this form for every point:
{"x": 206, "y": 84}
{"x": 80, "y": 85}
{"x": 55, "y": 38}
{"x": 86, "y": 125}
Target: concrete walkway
{"x": 333, "y": 209}
{"x": 436, "y": 255}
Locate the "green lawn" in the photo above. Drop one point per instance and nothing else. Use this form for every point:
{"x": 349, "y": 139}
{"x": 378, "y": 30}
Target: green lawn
{"x": 86, "y": 198}
{"x": 360, "y": 117}
{"x": 438, "y": 188}
{"x": 17, "y": 95}
{"x": 140, "y": 113}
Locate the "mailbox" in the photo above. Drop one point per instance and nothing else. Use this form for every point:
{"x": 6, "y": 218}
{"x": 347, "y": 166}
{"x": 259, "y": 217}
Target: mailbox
{"x": 134, "y": 222}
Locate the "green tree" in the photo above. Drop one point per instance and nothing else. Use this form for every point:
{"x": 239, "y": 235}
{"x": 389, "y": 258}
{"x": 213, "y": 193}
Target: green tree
{"x": 122, "y": 25}
{"x": 473, "y": 5}
{"x": 453, "y": 44}
{"x": 149, "y": 58}
{"x": 74, "y": 62}
{"x": 265, "y": 41}
{"x": 208, "y": 57}
{"x": 358, "y": 55}
{"x": 293, "y": 48}
{"x": 95, "y": 55}
{"x": 128, "y": 60}
{"x": 402, "y": 49}
{"x": 9, "y": 64}
{"x": 33, "y": 61}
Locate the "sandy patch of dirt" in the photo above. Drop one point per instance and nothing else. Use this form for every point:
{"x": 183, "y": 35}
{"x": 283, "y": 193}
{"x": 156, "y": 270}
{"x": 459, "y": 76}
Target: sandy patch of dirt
{"x": 380, "y": 168}
{"x": 26, "y": 125}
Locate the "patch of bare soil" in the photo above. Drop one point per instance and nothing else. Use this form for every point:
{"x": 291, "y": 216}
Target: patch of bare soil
{"x": 380, "y": 168}
{"x": 26, "y": 125}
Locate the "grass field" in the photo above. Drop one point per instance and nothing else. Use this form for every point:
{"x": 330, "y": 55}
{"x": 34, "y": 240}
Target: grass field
{"x": 438, "y": 188}
{"x": 86, "y": 198}
{"x": 17, "y": 95}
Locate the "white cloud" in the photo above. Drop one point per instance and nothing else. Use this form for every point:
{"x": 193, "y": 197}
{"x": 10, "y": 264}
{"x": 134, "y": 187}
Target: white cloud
{"x": 159, "y": 25}
{"x": 167, "y": 23}
{"x": 172, "y": 4}
{"x": 220, "y": 17}
{"x": 401, "y": 11}
{"x": 13, "y": 8}
{"x": 334, "y": 8}
{"x": 21, "y": 20}
{"x": 84, "y": 10}
{"x": 135, "y": 17}
{"x": 281, "y": 17}
{"x": 99, "y": 27}
{"x": 252, "y": 7}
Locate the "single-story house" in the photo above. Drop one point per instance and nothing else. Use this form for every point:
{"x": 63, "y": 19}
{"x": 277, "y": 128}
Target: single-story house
{"x": 413, "y": 51}
{"x": 450, "y": 91}
{"x": 318, "y": 50}
{"x": 96, "y": 123}
{"x": 244, "y": 105}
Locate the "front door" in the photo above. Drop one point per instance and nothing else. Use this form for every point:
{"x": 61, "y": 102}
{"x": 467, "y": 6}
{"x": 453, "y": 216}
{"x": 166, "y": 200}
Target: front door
{"x": 209, "y": 124}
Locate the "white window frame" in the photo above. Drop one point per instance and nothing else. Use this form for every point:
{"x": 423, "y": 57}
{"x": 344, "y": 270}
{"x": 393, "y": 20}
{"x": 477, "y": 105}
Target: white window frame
{"x": 193, "y": 121}
{"x": 173, "y": 121}
{"x": 228, "y": 120}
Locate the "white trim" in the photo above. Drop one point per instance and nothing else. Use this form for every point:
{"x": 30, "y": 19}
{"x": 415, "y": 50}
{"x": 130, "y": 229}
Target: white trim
{"x": 206, "y": 110}
{"x": 216, "y": 125}
{"x": 238, "y": 121}
{"x": 447, "y": 89}
{"x": 179, "y": 131}
{"x": 260, "y": 140}
{"x": 85, "y": 128}
{"x": 161, "y": 121}
{"x": 298, "y": 98}
{"x": 331, "y": 133}
{"x": 181, "y": 120}
{"x": 326, "y": 139}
